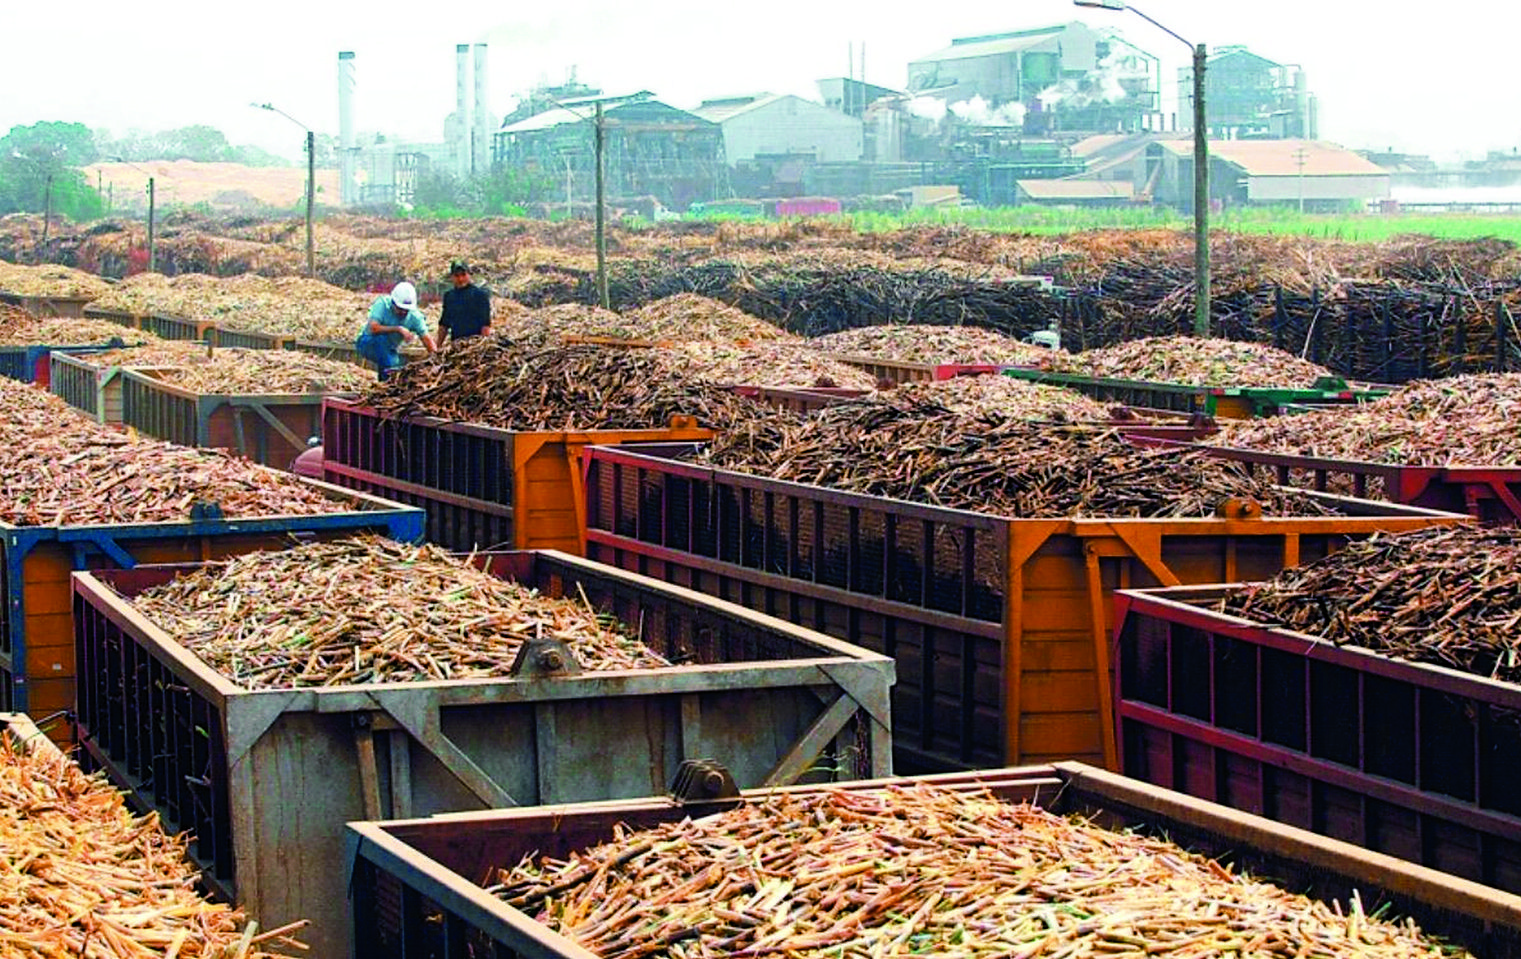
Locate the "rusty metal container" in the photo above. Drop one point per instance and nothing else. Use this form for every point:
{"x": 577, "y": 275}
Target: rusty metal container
{"x": 266, "y": 779}
{"x": 1408, "y": 759}
{"x": 1000, "y": 626}
{"x": 481, "y": 487}
{"x": 272, "y": 429}
{"x": 416, "y": 893}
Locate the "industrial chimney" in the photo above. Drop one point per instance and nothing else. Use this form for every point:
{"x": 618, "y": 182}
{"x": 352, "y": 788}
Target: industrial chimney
{"x": 462, "y": 125}
{"x": 348, "y": 192}
{"x": 482, "y": 155}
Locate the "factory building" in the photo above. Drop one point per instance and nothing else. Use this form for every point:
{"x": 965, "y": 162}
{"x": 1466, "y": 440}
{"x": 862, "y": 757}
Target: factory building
{"x": 770, "y": 125}
{"x": 1247, "y": 96}
{"x": 771, "y": 141}
{"x": 652, "y": 149}
{"x": 1066, "y": 77}
{"x": 385, "y": 172}
{"x": 851, "y": 96}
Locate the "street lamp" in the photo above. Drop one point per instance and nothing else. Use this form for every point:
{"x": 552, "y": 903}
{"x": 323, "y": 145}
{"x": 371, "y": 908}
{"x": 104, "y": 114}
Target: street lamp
{"x": 1201, "y": 165}
{"x": 311, "y": 177}
{"x": 152, "y": 260}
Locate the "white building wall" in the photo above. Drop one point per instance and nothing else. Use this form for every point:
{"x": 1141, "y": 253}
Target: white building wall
{"x": 793, "y": 125}
{"x": 1285, "y": 189}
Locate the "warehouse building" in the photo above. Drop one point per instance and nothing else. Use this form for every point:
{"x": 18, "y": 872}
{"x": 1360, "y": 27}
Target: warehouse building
{"x": 1266, "y": 172}
{"x": 770, "y": 125}
{"x": 652, "y": 149}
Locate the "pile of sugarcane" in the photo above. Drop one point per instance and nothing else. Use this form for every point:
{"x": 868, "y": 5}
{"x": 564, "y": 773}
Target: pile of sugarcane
{"x": 21, "y": 328}
{"x": 577, "y": 387}
{"x": 87, "y": 878}
{"x": 1194, "y": 361}
{"x": 49, "y": 280}
{"x": 918, "y": 451}
{"x": 1451, "y": 597}
{"x": 813, "y": 298}
{"x": 1007, "y": 398}
{"x": 284, "y": 306}
{"x": 264, "y": 372}
{"x": 769, "y": 363}
{"x": 1461, "y": 421}
{"x": 161, "y": 353}
{"x": 371, "y": 610}
{"x": 687, "y": 316}
{"x": 924, "y": 870}
{"x": 931, "y": 344}
{"x": 59, "y": 469}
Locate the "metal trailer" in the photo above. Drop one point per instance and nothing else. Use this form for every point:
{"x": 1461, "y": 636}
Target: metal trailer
{"x": 123, "y": 318}
{"x": 59, "y": 306}
{"x": 29, "y": 364}
{"x": 1000, "y": 626}
{"x": 415, "y": 890}
{"x": 481, "y": 487}
{"x": 347, "y": 353}
{"x": 37, "y": 666}
{"x": 1492, "y": 494}
{"x": 898, "y": 372}
{"x": 250, "y": 339}
{"x": 265, "y": 780}
{"x": 268, "y": 428}
{"x": 333, "y": 350}
{"x": 89, "y": 387}
{"x": 1245, "y": 402}
{"x": 799, "y": 399}
{"x": 178, "y": 327}
{"x": 1408, "y": 759}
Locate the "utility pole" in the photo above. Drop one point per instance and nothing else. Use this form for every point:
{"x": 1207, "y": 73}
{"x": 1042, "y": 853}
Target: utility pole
{"x": 47, "y": 213}
{"x": 1299, "y": 157}
{"x": 311, "y": 191}
{"x": 600, "y": 140}
{"x": 152, "y": 260}
{"x": 1201, "y": 198}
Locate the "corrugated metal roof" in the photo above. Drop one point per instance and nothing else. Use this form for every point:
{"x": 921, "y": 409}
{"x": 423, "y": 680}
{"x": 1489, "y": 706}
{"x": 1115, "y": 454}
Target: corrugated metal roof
{"x": 720, "y": 110}
{"x": 624, "y": 111}
{"x": 1282, "y": 157}
{"x": 545, "y": 120}
{"x": 1076, "y": 189}
{"x": 1098, "y": 143}
{"x": 986, "y": 48}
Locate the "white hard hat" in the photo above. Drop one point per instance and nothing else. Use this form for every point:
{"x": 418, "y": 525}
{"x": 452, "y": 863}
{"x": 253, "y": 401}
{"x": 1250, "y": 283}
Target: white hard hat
{"x": 404, "y": 295}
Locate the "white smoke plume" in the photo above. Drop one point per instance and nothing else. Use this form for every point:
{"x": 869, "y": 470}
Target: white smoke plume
{"x": 927, "y": 108}
{"x": 1099, "y": 85}
{"x": 977, "y": 112}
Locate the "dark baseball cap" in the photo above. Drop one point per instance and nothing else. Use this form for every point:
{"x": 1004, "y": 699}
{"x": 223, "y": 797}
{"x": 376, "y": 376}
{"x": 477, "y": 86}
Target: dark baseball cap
{"x": 458, "y": 266}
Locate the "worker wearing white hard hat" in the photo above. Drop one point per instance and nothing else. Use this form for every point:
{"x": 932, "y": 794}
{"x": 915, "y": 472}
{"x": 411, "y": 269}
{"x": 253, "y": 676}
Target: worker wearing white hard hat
{"x": 393, "y": 319}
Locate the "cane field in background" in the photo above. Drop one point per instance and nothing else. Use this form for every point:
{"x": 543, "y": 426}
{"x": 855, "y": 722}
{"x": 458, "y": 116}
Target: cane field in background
{"x": 1364, "y": 227}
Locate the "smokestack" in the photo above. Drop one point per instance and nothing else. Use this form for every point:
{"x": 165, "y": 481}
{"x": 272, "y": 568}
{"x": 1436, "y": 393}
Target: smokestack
{"x": 348, "y": 192}
{"x": 462, "y": 108}
{"x": 482, "y": 113}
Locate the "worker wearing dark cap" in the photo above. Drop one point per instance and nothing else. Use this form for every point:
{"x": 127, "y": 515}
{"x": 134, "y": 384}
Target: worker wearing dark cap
{"x": 467, "y": 307}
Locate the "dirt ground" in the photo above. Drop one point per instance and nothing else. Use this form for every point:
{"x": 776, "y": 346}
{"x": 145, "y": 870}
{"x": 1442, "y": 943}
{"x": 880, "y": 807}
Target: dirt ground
{"x": 227, "y": 186}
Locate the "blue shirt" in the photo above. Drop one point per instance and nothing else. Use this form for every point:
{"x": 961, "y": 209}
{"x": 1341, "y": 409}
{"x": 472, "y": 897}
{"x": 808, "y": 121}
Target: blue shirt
{"x": 382, "y": 312}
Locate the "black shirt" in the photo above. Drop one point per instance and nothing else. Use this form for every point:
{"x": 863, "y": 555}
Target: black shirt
{"x": 467, "y": 311}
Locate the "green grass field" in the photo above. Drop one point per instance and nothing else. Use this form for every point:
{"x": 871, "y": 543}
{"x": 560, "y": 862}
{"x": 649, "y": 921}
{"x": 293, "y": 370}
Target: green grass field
{"x": 1332, "y": 226}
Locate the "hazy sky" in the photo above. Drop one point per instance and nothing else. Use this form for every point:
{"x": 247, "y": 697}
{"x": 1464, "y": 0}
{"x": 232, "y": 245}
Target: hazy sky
{"x": 1387, "y": 74}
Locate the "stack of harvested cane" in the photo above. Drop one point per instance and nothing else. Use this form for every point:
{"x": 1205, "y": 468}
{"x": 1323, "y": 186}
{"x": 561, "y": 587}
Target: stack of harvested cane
{"x": 924, "y": 870}
{"x": 370, "y": 610}
{"x": 914, "y": 450}
{"x": 1451, "y": 597}
{"x": 87, "y": 878}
